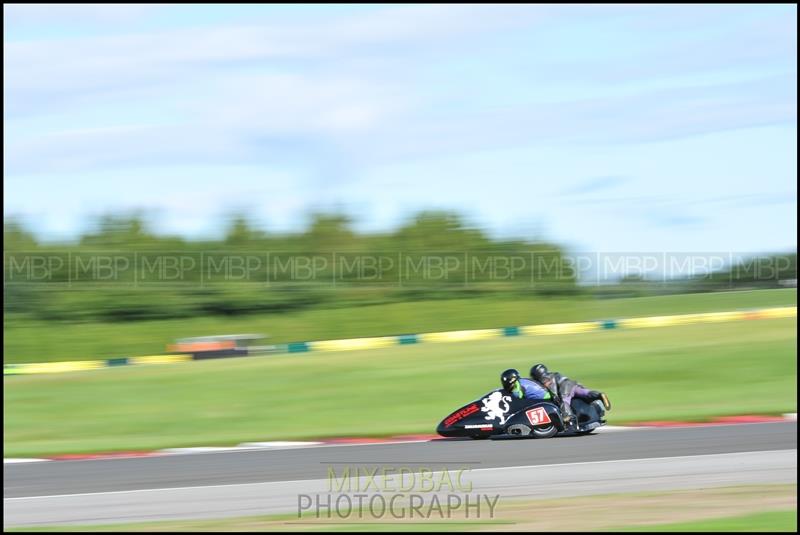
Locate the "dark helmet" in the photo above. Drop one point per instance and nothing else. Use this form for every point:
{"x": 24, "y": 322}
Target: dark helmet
{"x": 538, "y": 371}
{"x": 509, "y": 379}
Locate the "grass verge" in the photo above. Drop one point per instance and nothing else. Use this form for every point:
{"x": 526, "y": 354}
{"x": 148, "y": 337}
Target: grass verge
{"x": 769, "y": 521}
{"x": 682, "y": 372}
{"x": 27, "y": 340}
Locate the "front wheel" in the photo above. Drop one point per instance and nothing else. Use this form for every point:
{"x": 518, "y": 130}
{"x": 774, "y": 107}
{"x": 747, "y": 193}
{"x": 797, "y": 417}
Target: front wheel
{"x": 544, "y": 432}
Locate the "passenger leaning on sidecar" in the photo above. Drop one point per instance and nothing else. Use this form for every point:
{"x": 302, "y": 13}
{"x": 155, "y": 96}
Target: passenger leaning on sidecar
{"x": 564, "y": 389}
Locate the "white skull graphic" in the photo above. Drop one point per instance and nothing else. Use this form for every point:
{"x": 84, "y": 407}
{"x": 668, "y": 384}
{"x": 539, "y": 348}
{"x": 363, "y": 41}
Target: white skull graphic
{"x": 496, "y": 406}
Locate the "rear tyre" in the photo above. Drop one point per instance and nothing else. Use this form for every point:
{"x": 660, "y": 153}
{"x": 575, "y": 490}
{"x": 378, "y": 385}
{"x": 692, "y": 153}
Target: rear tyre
{"x": 544, "y": 432}
{"x": 479, "y": 437}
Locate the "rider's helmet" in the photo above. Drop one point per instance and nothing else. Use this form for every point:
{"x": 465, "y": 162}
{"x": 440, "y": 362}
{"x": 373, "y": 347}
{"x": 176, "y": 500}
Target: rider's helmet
{"x": 538, "y": 371}
{"x": 509, "y": 379}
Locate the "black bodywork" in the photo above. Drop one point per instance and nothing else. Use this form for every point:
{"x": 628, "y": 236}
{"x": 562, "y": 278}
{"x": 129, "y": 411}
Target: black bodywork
{"x": 498, "y": 413}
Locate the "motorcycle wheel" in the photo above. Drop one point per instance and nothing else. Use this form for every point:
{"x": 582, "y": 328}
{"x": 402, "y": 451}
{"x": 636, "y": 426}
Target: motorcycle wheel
{"x": 479, "y": 437}
{"x": 544, "y": 432}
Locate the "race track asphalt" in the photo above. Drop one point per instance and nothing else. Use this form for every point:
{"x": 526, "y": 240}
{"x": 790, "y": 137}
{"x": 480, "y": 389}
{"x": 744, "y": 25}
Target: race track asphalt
{"x": 236, "y": 483}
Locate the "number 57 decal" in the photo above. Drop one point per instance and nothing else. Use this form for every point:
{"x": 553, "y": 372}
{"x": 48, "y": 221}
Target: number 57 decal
{"x": 537, "y": 416}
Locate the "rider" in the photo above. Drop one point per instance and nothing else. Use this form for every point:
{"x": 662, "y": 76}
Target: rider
{"x": 522, "y": 388}
{"x": 564, "y": 389}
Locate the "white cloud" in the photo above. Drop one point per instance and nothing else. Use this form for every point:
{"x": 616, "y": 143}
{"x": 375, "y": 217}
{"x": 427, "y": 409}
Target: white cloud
{"x": 280, "y": 119}
{"x": 96, "y": 63}
{"x": 335, "y": 98}
{"x": 105, "y": 13}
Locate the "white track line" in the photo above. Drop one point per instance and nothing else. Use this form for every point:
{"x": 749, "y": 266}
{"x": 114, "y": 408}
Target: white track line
{"x": 632, "y": 460}
{"x": 276, "y": 444}
{"x": 113, "y": 492}
{"x": 198, "y": 449}
{"x": 615, "y": 428}
{"x": 245, "y": 446}
{"x": 144, "y": 490}
{"x": 25, "y": 460}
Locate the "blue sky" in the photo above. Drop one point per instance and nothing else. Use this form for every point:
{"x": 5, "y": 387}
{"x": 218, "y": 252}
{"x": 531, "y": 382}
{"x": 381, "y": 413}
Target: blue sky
{"x": 608, "y": 128}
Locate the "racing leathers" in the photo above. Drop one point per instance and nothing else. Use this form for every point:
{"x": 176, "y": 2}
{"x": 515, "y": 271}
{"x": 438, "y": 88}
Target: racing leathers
{"x": 529, "y": 389}
{"x": 564, "y": 389}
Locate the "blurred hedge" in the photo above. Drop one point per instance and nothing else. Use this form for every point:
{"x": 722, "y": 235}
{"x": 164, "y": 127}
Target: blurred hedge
{"x": 435, "y": 255}
{"x": 62, "y": 296}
